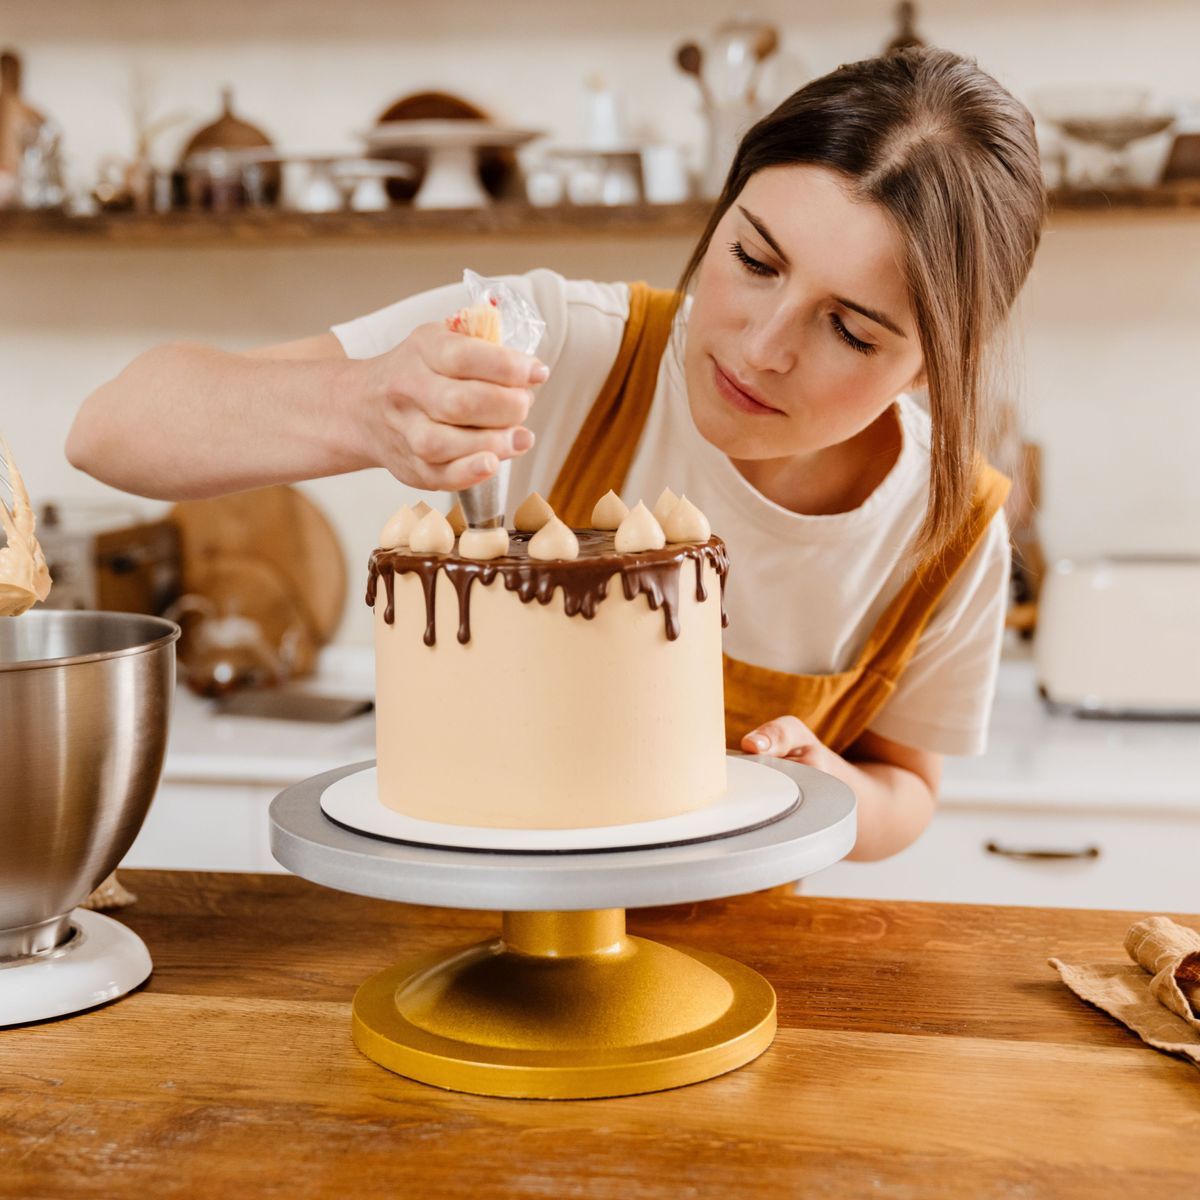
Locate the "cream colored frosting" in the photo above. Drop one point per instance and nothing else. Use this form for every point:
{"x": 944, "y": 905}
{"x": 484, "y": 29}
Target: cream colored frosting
{"x": 483, "y": 543}
{"x": 554, "y": 540}
{"x": 457, "y": 518}
{"x": 533, "y": 514}
{"x": 24, "y": 576}
{"x": 663, "y": 505}
{"x": 639, "y": 531}
{"x": 480, "y": 320}
{"x": 609, "y": 512}
{"x": 432, "y": 535}
{"x": 399, "y": 528}
{"x": 686, "y": 523}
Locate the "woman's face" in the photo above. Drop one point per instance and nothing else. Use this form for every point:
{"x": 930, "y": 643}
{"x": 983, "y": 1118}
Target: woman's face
{"x": 800, "y": 334}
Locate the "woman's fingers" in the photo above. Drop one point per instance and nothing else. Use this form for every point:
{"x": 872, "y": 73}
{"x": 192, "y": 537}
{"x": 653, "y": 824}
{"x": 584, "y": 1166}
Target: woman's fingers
{"x": 460, "y": 357}
{"x": 474, "y": 403}
{"x": 464, "y": 472}
{"x": 782, "y": 737}
{"x": 450, "y": 477}
{"x": 437, "y": 444}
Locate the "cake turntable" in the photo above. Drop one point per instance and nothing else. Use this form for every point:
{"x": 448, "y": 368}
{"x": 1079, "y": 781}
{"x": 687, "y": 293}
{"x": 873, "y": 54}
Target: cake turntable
{"x": 564, "y": 1004}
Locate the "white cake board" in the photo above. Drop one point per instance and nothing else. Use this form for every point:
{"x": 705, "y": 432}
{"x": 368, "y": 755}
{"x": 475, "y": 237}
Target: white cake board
{"x": 755, "y": 796}
{"x": 99, "y": 962}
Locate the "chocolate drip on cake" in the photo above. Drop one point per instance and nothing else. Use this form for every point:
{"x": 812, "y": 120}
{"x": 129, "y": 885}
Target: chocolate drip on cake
{"x": 584, "y": 580}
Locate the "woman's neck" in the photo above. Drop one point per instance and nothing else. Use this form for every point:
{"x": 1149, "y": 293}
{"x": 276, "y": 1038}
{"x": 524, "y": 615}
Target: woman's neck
{"x": 835, "y": 480}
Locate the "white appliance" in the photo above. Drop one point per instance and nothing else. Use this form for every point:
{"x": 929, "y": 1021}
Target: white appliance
{"x": 1120, "y": 637}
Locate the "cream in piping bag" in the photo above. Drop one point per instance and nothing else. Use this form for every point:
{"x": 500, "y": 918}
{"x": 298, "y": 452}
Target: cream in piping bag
{"x": 500, "y": 315}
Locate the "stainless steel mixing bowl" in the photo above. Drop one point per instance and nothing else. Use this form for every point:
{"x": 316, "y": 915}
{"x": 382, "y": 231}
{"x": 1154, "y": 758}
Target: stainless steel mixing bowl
{"x": 85, "y": 701}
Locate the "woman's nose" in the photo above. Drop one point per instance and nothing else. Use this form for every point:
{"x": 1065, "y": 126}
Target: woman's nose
{"x": 769, "y": 343}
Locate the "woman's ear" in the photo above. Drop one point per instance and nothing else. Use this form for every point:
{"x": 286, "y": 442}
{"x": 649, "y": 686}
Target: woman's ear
{"x": 918, "y": 381}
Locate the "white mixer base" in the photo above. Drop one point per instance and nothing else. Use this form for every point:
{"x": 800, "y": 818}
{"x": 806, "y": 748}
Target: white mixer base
{"x": 103, "y": 960}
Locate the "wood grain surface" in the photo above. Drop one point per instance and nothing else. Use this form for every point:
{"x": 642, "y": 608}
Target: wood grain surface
{"x": 924, "y": 1050}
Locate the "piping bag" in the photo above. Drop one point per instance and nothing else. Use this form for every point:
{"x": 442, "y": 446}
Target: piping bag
{"x": 501, "y": 315}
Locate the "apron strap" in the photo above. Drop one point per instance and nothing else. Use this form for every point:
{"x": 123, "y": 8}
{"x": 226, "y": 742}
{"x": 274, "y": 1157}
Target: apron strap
{"x": 603, "y": 450}
{"x": 896, "y": 634}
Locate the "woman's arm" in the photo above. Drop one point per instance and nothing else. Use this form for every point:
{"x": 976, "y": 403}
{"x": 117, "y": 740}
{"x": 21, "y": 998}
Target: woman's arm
{"x": 184, "y": 421}
{"x": 896, "y": 786}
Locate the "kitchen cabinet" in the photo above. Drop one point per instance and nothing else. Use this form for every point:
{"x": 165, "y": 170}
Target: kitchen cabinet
{"x": 201, "y": 825}
{"x": 1079, "y": 859}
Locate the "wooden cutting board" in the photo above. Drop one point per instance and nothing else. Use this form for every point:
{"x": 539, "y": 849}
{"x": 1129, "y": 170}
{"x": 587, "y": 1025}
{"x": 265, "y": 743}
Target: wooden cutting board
{"x": 289, "y": 538}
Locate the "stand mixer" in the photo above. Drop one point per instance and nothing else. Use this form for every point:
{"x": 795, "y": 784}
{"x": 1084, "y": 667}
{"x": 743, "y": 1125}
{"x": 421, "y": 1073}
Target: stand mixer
{"x": 564, "y": 1004}
{"x": 85, "y": 699}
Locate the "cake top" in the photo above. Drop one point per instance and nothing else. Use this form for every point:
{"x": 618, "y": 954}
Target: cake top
{"x": 542, "y": 555}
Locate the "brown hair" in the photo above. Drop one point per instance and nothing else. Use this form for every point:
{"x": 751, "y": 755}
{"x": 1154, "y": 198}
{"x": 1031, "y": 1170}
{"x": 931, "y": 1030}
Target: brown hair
{"x": 951, "y": 156}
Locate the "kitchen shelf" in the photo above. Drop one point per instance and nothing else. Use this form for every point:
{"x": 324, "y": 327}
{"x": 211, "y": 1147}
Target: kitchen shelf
{"x": 508, "y": 219}
{"x": 1179, "y": 196}
{"x": 270, "y": 227}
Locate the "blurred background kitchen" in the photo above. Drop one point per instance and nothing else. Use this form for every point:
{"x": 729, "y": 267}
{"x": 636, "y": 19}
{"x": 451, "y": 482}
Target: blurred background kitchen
{"x": 243, "y": 174}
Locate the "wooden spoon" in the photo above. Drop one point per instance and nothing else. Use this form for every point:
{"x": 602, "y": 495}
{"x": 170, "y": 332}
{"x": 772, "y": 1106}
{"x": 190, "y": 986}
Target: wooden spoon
{"x": 765, "y": 45}
{"x": 690, "y": 59}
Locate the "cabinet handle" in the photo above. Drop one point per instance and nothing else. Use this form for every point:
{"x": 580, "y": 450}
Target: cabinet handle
{"x": 1009, "y": 852}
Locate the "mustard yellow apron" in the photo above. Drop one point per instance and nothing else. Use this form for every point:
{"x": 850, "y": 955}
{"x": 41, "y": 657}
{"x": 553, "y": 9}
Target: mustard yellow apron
{"x": 838, "y": 708}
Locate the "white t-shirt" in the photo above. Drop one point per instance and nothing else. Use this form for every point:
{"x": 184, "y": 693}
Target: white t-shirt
{"x": 804, "y": 592}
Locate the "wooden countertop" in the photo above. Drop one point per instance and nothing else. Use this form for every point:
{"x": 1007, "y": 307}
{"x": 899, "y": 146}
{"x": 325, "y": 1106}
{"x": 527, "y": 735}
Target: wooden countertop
{"x": 924, "y": 1050}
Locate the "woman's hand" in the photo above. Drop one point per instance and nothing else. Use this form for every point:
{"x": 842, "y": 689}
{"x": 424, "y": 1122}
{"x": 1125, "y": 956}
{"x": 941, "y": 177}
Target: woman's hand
{"x": 895, "y": 786}
{"x": 441, "y": 410}
{"x": 788, "y": 737}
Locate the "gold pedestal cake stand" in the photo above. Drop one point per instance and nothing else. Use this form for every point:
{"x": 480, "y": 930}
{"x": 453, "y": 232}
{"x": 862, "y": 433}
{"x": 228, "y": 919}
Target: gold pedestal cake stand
{"x": 565, "y": 1004}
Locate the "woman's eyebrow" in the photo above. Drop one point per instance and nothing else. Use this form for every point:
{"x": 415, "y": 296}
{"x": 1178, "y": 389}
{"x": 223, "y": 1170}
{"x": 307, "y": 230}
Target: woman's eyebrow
{"x": 870, "y": 313}
{"x": 765, "y": 234}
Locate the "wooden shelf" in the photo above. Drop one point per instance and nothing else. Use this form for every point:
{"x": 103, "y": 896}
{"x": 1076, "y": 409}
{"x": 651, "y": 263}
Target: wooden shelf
{"x": 271, "y": 227}
{"x": 1173, "y": 196}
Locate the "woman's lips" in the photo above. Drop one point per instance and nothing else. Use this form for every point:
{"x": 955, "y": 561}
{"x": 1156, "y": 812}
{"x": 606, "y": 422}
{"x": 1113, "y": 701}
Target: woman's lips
{"x": 739, "y": 399}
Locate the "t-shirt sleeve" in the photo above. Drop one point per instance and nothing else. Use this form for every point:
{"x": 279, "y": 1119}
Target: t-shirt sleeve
{"x": 943, "y": 700}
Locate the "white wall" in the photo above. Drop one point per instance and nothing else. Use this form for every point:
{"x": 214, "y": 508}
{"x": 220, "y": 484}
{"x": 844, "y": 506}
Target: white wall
{"x": 1110, "y": 327}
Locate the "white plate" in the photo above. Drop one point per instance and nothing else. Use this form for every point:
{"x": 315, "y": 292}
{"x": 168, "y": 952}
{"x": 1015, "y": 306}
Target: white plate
{"x": 756, "y": 796}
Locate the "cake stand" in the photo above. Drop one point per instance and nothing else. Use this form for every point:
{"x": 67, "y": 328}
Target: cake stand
{"x": 564, "y": 1004}
{"x": 451, "y": 171}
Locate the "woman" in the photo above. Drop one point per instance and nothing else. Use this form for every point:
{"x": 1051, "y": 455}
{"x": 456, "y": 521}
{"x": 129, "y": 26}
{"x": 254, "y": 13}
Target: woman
{"x": 871, "y": 238}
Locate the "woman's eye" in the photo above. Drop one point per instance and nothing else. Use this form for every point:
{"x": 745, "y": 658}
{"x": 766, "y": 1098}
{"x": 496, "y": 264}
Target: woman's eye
{"x": 849, "y": 338}
{"x": 751, "y": 264}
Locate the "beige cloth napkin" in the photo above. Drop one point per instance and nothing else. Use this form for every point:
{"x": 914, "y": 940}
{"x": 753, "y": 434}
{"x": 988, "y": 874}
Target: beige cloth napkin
{"x": 110, "y": 894}
{"x": 1158, "y": 995}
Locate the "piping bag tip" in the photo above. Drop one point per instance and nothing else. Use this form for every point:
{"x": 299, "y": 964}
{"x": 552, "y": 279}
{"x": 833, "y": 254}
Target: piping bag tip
{"x": 485, "y": 505}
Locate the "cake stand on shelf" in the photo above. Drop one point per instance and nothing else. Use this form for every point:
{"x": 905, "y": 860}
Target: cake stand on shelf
{"x": 451, "y": 172}
{"x": 564, "y": 1004}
